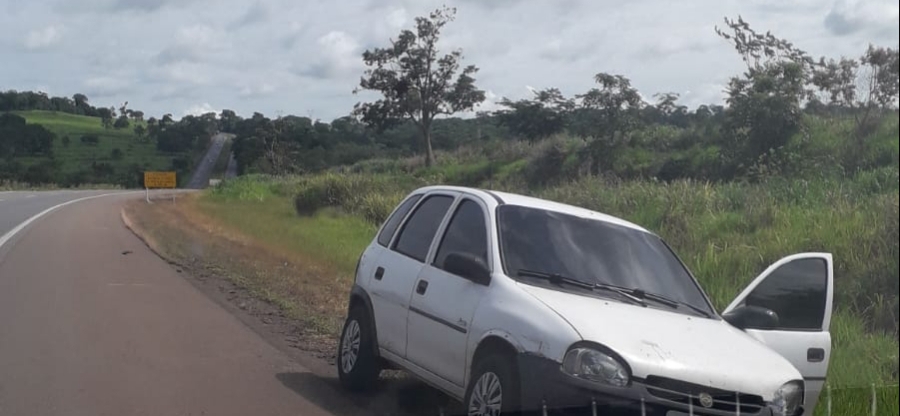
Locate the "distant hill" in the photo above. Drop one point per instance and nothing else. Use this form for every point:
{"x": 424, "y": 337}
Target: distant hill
{"x": 84, "y": 151}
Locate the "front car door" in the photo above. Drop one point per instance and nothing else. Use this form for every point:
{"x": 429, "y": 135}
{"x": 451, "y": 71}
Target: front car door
{"x": 443, "y": 304}
{"x": 799, "y": 289}
{"x": 398, "y": 267}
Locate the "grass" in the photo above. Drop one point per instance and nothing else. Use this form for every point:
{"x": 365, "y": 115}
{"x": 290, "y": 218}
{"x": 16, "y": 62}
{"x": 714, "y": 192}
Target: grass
{"x": 78, "y": 156}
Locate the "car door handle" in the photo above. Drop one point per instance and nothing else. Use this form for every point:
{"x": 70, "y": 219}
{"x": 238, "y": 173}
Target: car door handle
{"x": 379, "y": 273}
{"x": 422, "y": 287}
{"x": 815, "y": 355}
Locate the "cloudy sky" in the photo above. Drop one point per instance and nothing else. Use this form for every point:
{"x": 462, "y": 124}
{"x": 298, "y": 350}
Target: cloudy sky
{"x": 303, "y": 57}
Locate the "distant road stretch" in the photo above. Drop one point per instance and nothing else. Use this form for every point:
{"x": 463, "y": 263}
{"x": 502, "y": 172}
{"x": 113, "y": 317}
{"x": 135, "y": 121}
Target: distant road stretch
{"x": 204, "y": 169}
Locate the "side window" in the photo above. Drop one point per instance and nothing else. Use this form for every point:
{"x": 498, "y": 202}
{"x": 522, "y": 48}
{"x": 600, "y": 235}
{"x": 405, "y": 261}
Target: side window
{"x": 797, "y": 292}
{"x": 466, "y": 234}
{"x": 387, "y": 232}
{"x": 418, "y": 232}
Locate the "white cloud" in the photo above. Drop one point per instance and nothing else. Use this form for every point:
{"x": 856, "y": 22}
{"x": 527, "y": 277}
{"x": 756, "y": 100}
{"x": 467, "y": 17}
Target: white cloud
{"x": 258, "y": 90}
{"x": 199, "y": 110}
{"x": 338, "y": 54}
{"x": 43, "y": 38}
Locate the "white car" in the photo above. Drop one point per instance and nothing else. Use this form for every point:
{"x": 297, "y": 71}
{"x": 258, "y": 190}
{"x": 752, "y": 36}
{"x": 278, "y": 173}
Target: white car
{"x": 510, "y": 303}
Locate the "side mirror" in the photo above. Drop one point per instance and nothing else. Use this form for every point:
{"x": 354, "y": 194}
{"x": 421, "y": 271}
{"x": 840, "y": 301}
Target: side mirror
{"x": 752, "y": 317}
{"x": 468, "y": 267}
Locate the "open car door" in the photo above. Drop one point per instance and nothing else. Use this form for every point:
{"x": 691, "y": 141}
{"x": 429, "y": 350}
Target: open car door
{"x": 799, "y": 289}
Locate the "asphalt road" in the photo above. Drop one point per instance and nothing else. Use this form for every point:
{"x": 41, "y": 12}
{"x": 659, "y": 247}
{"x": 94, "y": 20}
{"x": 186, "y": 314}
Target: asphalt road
{"x": 200, "y": 178}
{"x": 93, "y": 323}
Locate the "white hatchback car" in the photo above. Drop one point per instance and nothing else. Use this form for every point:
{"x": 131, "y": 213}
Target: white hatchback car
{"x": 510, "y": 303}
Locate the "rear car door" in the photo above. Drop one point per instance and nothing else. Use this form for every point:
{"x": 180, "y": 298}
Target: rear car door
{"x": 398, "y": 267}
{"x": 799, "y": 289}
{"x": 443, "y": 304}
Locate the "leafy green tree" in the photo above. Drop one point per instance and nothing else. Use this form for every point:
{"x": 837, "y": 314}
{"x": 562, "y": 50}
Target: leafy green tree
{"x": 867, "y": 86}
{"x": 605, "y": 116}
{"x": 228, "y": 120}
{"x": 540, "y": 117}
{"x": 107, "y": 116}
{"x": 121, "y": 122}
{"x": 609, "y": 110}
{"x": 416, "y": 82}
{"x": 765, "y": 102}
{"x": 141, "y": 132}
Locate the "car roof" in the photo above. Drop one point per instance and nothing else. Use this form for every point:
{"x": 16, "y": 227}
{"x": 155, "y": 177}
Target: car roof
{"x": 509, "y": 198}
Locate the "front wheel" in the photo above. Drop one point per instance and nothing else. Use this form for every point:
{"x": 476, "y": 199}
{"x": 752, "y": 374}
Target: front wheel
{"x": 494, "y": 388}
{"x": 358, "y": 367}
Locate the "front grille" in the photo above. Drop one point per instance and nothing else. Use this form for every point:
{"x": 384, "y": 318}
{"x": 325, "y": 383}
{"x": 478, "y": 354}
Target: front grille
{"x": 682, "y": 392}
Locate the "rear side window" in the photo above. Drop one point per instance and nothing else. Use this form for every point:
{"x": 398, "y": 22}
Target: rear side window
{"x": 465, "y": 234}
{"x": 418, "y": 232}
{"x": 387, "y": 232}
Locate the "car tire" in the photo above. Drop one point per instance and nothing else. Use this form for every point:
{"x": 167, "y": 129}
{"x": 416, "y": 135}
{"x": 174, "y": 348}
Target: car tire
{"x": 358, "y": 367}
{"x": 492, "y": 376}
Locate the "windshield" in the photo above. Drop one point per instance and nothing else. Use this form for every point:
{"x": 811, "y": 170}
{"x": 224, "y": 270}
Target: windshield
{"x": 594, "y": 252}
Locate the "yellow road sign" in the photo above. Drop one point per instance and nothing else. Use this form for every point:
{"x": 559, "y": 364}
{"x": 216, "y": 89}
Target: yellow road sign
{"x": 159, "y": 180}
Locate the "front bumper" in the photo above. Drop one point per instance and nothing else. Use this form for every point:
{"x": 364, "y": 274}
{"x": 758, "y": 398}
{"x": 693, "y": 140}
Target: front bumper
{"x": 545, "y": 386}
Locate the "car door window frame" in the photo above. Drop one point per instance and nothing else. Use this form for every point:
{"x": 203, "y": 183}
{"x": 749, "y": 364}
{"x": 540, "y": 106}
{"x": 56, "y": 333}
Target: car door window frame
{"x": 400, "y": 229}
{"x": 741, "y": 299}
{"x": 397, "y": 229}
{"x": 442, "y": 231}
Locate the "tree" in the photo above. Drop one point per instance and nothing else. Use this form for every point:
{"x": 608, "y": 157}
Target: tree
{"x": 107, "y": 116}
{"x": 417, "y": 84}
{"x": 865, "y": 86}
{"x": 765, "y": 102}
{"x": 538, "y": 118}
{"x": 608, "y": 110}
{"x": 141, "y": 132}
{"x": 116, "y": 154}
{"x": 121, "y": 122}
{"x": 137, "y": 115}
{"x": 764, "y": 112}
{"x": 228, "y": 120}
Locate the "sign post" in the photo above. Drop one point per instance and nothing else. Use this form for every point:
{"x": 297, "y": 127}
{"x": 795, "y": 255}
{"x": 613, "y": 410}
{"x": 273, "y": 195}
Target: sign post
{"x": 159, "y": 180}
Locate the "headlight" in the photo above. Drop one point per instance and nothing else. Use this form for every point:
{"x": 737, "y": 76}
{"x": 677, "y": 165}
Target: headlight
{"x": 590, "y": 364}
{"x": 788, "y": 399}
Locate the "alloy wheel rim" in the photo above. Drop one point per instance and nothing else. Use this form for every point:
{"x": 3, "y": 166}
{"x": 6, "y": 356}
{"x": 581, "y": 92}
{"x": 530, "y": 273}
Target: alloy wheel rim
{"x": 487, "y": 396}
{"x": 350, "y": 347}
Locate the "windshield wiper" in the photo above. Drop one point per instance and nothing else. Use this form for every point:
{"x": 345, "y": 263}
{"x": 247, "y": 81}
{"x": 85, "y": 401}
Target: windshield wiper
{"x": 672, "y": 303}
{"x": 558, "y": 279}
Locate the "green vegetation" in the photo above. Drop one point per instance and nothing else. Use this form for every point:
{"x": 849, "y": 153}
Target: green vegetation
{"x": 83, "y": 152}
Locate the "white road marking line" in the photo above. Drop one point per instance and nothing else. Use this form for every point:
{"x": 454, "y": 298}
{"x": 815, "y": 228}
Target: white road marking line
{"x": 9, "y": 235}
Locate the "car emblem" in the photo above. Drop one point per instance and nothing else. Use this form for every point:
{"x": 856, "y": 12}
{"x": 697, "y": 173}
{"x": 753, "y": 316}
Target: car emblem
{"x": 705, "y": 400}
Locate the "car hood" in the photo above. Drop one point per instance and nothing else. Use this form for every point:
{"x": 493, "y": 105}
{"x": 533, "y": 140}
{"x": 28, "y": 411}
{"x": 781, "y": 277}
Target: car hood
{"x": 661, "y": 343}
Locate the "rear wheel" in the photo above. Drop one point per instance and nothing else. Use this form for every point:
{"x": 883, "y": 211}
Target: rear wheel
{"x": 494, "y": 388}
{"x": 358, "y": 367}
